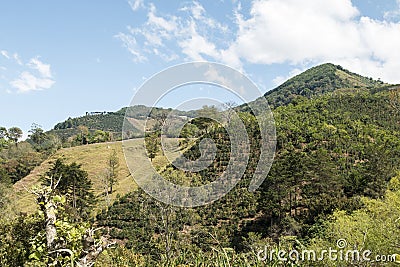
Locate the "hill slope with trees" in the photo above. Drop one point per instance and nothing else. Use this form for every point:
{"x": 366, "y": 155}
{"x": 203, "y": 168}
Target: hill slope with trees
{"x": 338, "y": 145}
{"x": 112, "y": 122}
{"x": 335, "y": 175}
{"x": 317, "y": 81}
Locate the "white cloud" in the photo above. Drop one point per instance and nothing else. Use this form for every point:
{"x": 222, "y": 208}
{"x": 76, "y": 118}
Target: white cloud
{"x": 129, "y": 42}
{"x": 165, "y": 56}
{"x": 42, "y": 68}
{"x": 136, "y": 4}
{"x": 196, "y": 10}
{"x": 280, "y": 31}
{"x": 393, "y": 15}
{"x": 213, "y": 75}
{"x": 33, "y": 76}
{"x": 313, "y": 31}
{"x": 161, "y": 35}
{"x": 17, "y": 59}
{"x": 299, "y": 33}
{"x": 195, "y": 45}
{"x": 14, "y": 56}
{"x": 4, "y": 53}
{"x": 28, "y": 82}
{"x": 161, "y": 23}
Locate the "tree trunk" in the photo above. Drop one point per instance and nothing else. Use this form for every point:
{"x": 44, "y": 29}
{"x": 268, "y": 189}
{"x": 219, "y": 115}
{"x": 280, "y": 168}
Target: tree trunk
{"x": 92, "y": 249}
{"x": 49, "y": 210}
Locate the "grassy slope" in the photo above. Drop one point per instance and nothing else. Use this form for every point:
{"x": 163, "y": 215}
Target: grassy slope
{"x": 93, "y": 159}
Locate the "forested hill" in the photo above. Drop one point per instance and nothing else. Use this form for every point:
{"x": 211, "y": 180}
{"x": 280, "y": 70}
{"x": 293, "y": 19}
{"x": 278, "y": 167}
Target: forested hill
{"x": 335, "y": 176}
{"x": 316, "y": 81}
{"x": 338, "y": 149}
{"x": 112, "y": 121}
{"x": 320, "y": 80}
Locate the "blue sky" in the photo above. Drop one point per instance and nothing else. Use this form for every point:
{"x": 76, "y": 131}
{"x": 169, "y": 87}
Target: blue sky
{"x": 59, "y": 59}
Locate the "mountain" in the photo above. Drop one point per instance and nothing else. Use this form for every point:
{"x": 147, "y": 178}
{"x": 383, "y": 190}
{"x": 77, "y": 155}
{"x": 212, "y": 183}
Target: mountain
{"x": 334, "y": 151}
{"x": 113, "y": 121}
{"x": 338, "y": 149}
{"x": 320, "y": 80}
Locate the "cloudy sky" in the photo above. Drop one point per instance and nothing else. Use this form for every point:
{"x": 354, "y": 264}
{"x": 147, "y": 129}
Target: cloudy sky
{"x": 63, "y": 58}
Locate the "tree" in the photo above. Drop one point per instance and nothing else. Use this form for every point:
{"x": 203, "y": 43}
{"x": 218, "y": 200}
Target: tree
{"x": 63, "y": 243}
{"x": 113, "y": 165}
{"x": 75, "y": 185}
{"x": 19, "y": 161}
{"x": 51, "y": 143}
{"x": 3, "y": 138}
{"x": 230, "y": 111}
{"x": 83, "y": 132}
{"x": 5, "y": 184}
{"x": 160, "y": 118}
{"x": 207, "y": 118}
{"x": 14, "y": 133}
{"x": 15, "y": 239}
{"x": 99, "y": 136}
{"x": 373, "y": 227}
{"x": 152, "y": 145}
{"x": 3, "y": 133}
{"x": 37, "y": 134}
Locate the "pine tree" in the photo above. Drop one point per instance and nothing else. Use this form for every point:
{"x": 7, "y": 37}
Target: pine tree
{"x": 75, "y": 185}
{"x": 113, "y": 165}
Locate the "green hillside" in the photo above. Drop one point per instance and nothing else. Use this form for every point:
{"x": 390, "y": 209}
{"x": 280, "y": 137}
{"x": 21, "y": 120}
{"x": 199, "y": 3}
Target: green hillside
{"x": 113, "y": 121}
{"x": 335, "y": 175}
{"x": 93, "y": 159}
{"x": 317, "y": 81}
{"x": 334, "y": 150}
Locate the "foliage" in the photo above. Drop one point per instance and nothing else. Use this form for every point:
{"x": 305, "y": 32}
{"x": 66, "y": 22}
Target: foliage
{"x": 27, "y": 240}
{"x": 152, "y": 142}
{"x": 113, "y": 164}
{"x": 338, "y": 146}
{"x": 75, "y": 185}
{"x": 121, "y": 257}
{"x": 332, "y": 151}
{"x": 15, "y": 239}
{"x": 3, "y": 138}
{"x": 317, "y": 81}
{"x": 374, "y": 227}
{"x": 112, "y": 122}
{"x": 18, "y": 161}
{"x": 46, "y": 143}
{"x": 14, "y": 134}
{"x": 5, "y": 184}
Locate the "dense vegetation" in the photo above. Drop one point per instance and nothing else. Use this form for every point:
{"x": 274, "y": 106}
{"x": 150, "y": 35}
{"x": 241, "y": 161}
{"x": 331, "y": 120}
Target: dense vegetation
{"x": 335, "y": 176}
{"x": 317, "y": 81}
{"x": 111, "y": 122}
{"x": 17, "y": 159}
{"x": 332, "y": 151}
